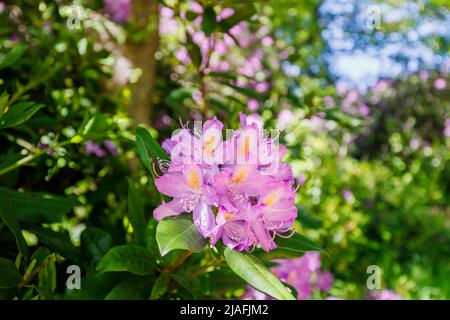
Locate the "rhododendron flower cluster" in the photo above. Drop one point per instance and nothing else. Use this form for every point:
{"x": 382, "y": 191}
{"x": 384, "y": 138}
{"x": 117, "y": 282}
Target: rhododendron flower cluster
{"x": 303, "y": 274}
{"x": 236, "y": 188}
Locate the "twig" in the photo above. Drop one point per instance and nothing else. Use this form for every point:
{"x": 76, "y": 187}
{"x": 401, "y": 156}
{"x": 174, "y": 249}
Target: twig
{"x": 174, "y": 265}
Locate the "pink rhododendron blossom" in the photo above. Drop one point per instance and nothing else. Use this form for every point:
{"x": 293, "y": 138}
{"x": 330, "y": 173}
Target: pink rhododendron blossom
{"x": 303, "y": 274}
{"x": 439, "y": 84}
{"x": 236, "y": 188}
{"x": 119, "y": 10}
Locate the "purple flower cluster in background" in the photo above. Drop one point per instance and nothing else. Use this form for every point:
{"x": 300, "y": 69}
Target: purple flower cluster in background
{"x": 100, "y": 151}
{"x": 385, "y": 294}
{"x": 119, "y": 10}
{"x": 253, "y": 200}
{"x": 303, "y": 274}
{"x": 223, "y": 53}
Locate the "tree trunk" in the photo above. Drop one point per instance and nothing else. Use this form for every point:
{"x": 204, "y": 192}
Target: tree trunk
{"x": 141, "y": 54}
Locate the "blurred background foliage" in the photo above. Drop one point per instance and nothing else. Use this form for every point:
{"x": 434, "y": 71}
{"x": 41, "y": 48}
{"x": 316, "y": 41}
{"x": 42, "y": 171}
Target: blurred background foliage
{"x": 364, "y": 110}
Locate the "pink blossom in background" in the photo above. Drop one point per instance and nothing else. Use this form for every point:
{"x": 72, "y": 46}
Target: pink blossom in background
{"x": 414, "y": 143}
{"x": 380, "y": 86}
{"x": 94, "y": 148}
{"x": 183, "y": 56}
{"x": 119, "y": 10}
{"x": 225, "y": 14}
{"x": 111, "y": 147}
{"x": 447, "y": 128}
{"x": 385, "y": 294}
{"x": 2, "y": 7}
{"x": 167, "y": 23}
{"x": 267, "y": 41}
{"x": 439, "y": 84}
{"x": 262, "y": 87}
{"x": 329, "y": 101}
{"x": 285, "y": 117}
{"x": 352, "y": 96}
{"x": 424, "y": 75}
{"x": 348, "y": 195}
{"x": 253, "y": 105}
{"x": 341, "y": 88}
{"x": 364, "y": 110}
{"x": 196, "y": 7}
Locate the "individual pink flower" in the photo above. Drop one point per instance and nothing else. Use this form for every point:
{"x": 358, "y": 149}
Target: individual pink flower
{"x": 439, "y": 84}
{"x": 119, "y": 10}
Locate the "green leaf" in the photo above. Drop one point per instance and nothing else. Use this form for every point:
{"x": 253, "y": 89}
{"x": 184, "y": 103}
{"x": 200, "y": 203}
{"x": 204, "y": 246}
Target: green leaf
{"x": 209, "y": 21}
{"x": 36, "y": 207}
{"x": 57, "y": 241}
{"x": 181, "y": 233}
{"x": 19, "y": 113}
{"x": 10, "y": 220}
{"x": 97, "y": 126}
{"x": 176, "y": 100}
{"x": 150, "y": 237}
{"x": 191, "y": 15}
{"x": 148, "y": 148}
{"x": 40, "y": 255}
{"x": 11, "y": 57}
{"x": 160, "y": 287}
{"x": 95, "y": 243}
{"x": 47, "y": 276}
{"x": 256, "y": 274}
{"x": 137, "y": 288}
{"x": 136, "y": 214}
{"x": 245, "y": 91}
{"x": 194, "y": 51}
{"x": 131, "y": 258}
{"x": 96, "y": 286}
{"x": 307, "y": 220}
{"x": 292, "y": 247}
{"x": 9, "y": 275}
{"x": 3, "y": 102}
{"x": 242, "y": 11}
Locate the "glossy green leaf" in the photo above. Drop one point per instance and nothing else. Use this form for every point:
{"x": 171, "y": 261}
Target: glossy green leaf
{"x": 36, "y": 207}
{"x": 12, "y": 56}
{"x": 47, "y": 275}
{"x": 209, "y": 21}
{"x": 95, "y": 243}
{"x": 57, "y": 241}
{"x": 136, "y": 214}
{"x": 10, "y": 220}
{"x": 194, "y": 51}
{"x": 19, "y": 113}
{"x": 3, "y": 102}
{"x": 292, "y": 247}
{"x": 160, "y": 287}
{"x": 256, "y": 274}
{"x": 148, "y": 148}
{"x": 131, "y": 258}
{"x": 137, "y": 288}
{"x": 9, "y": 275}
{"x": 181, "y": 233}
{"x": 307, "y": 220}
